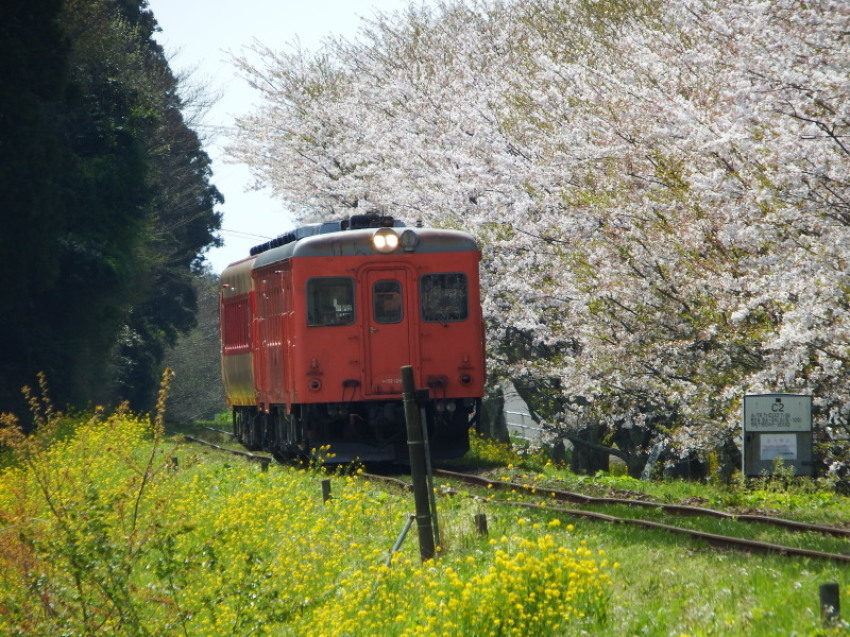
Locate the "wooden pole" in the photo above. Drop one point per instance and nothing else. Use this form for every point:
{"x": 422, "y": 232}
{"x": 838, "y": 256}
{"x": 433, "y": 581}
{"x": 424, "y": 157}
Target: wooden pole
{"x": 422, "y": 397}
{"x": 416, "y": 449}
{"x": 481, "y": 523}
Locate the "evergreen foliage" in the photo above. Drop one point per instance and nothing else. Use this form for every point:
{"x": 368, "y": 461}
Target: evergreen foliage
{"x": 196, "y": 391}
{"x": 108, "y": 204}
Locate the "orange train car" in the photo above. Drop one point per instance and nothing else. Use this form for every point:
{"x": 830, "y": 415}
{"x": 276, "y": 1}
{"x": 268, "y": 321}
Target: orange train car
{"x": 317, "y": 323}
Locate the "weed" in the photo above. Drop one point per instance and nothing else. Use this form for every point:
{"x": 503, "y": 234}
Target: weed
{"x": 74, "y": 519}
{"x": 486, "y": 451}
{"x": 101, "y": 533}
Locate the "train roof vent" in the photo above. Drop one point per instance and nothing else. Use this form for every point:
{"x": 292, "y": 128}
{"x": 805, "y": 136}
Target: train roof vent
{"x": 278, "y": 241}
{"x": 356, "y": 222}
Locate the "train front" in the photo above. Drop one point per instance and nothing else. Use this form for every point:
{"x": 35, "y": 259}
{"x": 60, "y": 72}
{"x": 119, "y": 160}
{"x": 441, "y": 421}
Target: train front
{"x": 364, "y": 303}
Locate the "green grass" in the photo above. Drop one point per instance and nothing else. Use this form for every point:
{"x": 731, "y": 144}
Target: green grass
{"x": 669, "y": 584}
{"x": 101, "y": 532}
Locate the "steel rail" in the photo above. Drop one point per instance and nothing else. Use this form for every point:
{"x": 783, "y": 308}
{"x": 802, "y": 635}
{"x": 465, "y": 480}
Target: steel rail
{"x": 263, "y": 460}
{"x": 713, "y": 539}
{"x": 723, "y": 541}
{"x": 675, "y": 509}
{"x": 220, "y": 431}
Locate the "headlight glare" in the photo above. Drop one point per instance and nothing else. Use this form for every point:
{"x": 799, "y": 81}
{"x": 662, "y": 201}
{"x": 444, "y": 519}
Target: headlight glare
{"x": 385, "y": 240}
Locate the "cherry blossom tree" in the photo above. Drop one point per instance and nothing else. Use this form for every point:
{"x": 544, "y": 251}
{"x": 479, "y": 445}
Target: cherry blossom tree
{"x": 660, "y": 189}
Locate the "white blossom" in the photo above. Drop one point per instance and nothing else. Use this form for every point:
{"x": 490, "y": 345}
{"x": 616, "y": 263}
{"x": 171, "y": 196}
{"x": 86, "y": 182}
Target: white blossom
{"x": 660, "y": 189}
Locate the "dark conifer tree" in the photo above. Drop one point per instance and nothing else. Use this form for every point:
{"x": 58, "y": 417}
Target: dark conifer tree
{"x": 107, "y": 201}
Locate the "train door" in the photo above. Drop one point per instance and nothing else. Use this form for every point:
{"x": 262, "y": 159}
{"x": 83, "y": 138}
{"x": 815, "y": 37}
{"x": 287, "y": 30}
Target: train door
{"x": 388, "y": 328}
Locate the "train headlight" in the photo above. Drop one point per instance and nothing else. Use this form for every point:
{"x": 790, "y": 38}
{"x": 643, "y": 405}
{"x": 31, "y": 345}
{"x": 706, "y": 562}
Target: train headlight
{"x": 385, "y": 240}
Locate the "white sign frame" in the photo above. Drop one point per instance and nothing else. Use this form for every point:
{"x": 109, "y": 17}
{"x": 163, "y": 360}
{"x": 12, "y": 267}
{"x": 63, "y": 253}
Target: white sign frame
{"x": 777, "y": 413}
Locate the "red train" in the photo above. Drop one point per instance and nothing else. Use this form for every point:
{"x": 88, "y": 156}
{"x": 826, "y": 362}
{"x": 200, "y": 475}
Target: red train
{"x": 316, "y": 325}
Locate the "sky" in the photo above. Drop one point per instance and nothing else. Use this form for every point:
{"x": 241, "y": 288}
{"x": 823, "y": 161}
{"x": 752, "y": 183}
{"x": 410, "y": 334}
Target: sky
{"x": 198, "y": 36}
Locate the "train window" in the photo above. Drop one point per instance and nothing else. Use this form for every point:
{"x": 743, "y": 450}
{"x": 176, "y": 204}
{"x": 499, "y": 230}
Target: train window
{"x": 330, "y": 301}
{"x": 444, "y": 297}
{"x": 387, "y": 306}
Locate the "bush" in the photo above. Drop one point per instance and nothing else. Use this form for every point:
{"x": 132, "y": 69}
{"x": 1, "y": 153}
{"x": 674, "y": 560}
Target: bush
{"x": 103, "y": 533}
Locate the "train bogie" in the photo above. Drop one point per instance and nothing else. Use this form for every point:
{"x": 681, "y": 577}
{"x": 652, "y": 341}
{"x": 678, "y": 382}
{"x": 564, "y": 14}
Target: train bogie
{"x": 333, "y": 316}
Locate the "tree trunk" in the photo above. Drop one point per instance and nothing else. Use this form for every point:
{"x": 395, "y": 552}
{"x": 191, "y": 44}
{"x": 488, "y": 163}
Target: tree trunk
{"x": 493, "y": 423}
{"x": 588, "y": 455}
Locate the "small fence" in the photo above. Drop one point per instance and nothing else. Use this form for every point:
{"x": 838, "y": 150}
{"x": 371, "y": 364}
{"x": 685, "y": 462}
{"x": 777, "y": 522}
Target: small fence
{"x": 522, "y": 426}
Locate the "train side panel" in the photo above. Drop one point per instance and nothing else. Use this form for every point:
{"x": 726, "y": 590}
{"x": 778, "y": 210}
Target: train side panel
{"x": 269, "y": 323}
{"x": 236, "y": 309}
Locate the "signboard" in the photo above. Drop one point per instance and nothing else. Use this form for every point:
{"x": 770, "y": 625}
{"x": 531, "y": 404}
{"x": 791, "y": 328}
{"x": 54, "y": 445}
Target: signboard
{"x": 777, "y": 412}
{"x": 778, "y": 446}
{"x": 777, "y": 427}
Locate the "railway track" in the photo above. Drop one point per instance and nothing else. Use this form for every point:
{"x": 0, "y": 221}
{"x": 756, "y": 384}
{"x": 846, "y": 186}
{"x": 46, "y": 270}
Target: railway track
{"x": 673, "y": 509}
{"x": 252, "y": 457}
{"x": 713, "y": 539}
{"x": 550, "y": 500}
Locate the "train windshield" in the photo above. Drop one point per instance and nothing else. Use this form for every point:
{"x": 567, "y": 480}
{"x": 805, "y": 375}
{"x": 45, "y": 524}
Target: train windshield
{"x": 387, "y": 301}
{"x": 330, "y": 301}
{"x": 444, "y": 297}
